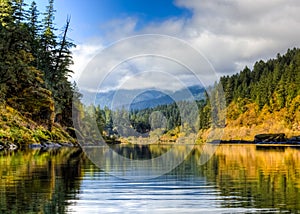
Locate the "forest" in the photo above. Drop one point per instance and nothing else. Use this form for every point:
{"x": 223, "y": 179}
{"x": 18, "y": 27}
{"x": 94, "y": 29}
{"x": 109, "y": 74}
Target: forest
{"x": 36, "y": 95}
{"x": 265, "y": 99}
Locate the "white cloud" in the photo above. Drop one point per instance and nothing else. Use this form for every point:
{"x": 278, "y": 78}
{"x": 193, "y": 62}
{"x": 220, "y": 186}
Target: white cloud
{"x": 82, "y": 54}
{"x": 149, "y": 72}
{"x": 127, "y": 59}
{"x": 119, "y": 28}
{"x": 229, "y": 33}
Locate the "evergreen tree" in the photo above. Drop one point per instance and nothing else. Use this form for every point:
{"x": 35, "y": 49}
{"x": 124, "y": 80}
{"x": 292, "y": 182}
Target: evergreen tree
{"x": 19, "y": 14}
{"x": 16, "y": 74}
{"x": 34, "y": 26}
{"x": 34, "y": 60}
{"x": 6, "y": 13}
{"x": 48, "y": 45}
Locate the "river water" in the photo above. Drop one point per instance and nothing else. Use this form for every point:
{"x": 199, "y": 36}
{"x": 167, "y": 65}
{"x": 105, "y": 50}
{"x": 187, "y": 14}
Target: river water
{"x": 235, "y": 179}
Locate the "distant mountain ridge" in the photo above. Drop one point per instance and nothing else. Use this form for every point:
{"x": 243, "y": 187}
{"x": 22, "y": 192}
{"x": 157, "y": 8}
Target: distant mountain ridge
{"x": 142, "y": 98}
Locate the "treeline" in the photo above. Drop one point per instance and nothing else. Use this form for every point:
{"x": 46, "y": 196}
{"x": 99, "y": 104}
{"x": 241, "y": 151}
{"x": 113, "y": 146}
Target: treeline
{"x": 274, "y": 83}
{"x": 34, "y": 63}
{"x": 125, "y": 123}
{"x": 266, "y": 97}
{"x": 167, "y": 116}
{"x": 250, "y": 95}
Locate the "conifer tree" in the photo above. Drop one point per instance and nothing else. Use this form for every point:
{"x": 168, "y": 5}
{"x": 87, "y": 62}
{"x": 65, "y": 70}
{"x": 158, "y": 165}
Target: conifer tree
{"x": 48, "y": 45}
{"x": 34, "y": 26}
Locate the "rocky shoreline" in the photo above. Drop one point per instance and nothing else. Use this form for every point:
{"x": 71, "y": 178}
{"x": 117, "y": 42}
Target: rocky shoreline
{"x": 266, "y": 139}
{"x": 42, "y": 145}
{"x": 261, "y": 139}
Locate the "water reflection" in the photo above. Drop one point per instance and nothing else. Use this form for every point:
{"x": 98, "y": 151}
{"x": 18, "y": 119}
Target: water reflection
{"x": 38, "y": 181}
{"x": 133, "y": 162}
{"x": 236, "y": 179}
{"x": 257, "y": 177}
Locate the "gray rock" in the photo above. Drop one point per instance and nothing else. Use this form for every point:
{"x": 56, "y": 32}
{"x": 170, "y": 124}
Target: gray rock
{"x": 268, "y": 138}
{"x": 35, "y": 146}
{"x": 11, "y": 146}
{"x": 294, "y": 140}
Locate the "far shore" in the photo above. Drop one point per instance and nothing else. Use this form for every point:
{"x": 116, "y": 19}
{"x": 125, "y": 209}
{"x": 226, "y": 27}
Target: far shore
{"x": 261, "y": 140}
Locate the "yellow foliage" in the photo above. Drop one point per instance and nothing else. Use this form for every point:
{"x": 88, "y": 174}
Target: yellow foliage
{"x": 15, "y": 127}
{"x": 245, "y": 120}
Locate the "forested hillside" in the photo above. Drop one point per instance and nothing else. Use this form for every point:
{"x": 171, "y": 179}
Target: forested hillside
{"x": 274, "y": 83}
{"x": 35, "y": 94}
{"x": 265, "y": 99}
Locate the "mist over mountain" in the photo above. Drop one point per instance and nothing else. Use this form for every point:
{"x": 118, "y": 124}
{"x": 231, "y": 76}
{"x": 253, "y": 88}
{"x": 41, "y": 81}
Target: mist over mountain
{"x": 141, "y": 98}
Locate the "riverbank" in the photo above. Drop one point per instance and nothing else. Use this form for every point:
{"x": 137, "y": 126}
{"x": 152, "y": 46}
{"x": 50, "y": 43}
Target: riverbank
{"x": 265, "y": 139}
{"x": 19, "y": 131}
{"x": 271, "y": 139}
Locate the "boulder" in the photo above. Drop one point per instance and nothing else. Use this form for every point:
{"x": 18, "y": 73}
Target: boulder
{"x": 280, "y": 137}
{"x": 35, "y": 146}
{"x": 12, "y": 146}
{"x": 294, "y": 140}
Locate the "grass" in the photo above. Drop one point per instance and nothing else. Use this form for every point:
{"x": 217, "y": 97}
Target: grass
{"x": 17, "y": 128}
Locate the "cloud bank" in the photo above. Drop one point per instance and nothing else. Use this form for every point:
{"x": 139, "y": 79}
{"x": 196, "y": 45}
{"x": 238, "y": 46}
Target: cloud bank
{"x": 229, "y": 33}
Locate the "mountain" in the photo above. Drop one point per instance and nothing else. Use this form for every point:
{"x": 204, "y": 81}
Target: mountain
{"x": 193, "y": 93}
{"x": 142, "y": 98}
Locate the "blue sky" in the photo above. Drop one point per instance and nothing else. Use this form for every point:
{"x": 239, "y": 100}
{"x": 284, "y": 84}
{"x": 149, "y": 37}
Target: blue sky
{"x": 89, "y": 18}
{"x": 230, "y": 34}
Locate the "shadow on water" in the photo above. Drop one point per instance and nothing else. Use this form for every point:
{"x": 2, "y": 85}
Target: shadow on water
{"x": 271, "y": 148}
{"x": 134, "y": 151}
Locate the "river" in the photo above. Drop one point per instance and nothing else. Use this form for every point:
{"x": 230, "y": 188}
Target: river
{"x": 235, "y": 179}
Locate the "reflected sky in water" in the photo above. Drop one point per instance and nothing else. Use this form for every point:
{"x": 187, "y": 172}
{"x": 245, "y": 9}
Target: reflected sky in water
{"x": 237, "y": 179}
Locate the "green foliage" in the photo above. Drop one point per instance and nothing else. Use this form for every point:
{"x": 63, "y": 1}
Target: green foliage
{"x": 34, "y": 65}
{"x": 39, "y": 135}
{"x": 163, "y": 116}
{"x": 16, "y": 128}
{"x": 264, "y": 98}
{"x": 274, "y": 83}
{"x": 143, "y": 123}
